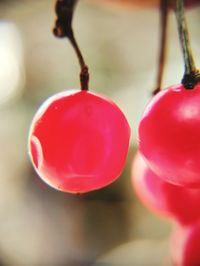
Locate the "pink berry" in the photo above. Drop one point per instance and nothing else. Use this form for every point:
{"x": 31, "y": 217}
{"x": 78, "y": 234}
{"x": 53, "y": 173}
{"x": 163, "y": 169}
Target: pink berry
{"x": 163, "y": 198}
{"x": 148, "y": 186}
{"x": 169, "y": 135}
{"x": 79, "y": 141}
{"x": 185, "y": 245}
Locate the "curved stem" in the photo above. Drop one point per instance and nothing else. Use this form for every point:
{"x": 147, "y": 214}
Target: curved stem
{"x": 63, "y": 28}
{"x": 84, "y": 74}
{"x": 164, "y": 14}
{"x": 192, "y": 75}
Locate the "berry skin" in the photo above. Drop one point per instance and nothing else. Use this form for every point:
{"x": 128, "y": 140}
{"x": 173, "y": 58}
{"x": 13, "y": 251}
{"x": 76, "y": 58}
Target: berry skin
{"x": 163, "y": 198}
{"x": 169, "y": 135}
{"x": 185, "y": 245}
{"x": 79, "y": 141}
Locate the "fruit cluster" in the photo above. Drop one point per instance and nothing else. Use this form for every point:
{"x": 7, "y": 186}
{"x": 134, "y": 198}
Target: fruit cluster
{"x": 79, "y": 141}
{"x": 166, "y": 169}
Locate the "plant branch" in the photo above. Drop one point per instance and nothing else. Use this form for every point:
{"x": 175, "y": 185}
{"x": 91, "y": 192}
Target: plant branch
{"x": 164, "y": 15}
{"x": 63, "y": 28}
{"x": 192, "y": 75}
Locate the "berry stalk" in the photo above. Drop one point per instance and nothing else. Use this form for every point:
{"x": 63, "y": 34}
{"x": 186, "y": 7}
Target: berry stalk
{"x": 164, "y": 14}
{"x": 192, "y": 75}
{"x": 63, "y": 28}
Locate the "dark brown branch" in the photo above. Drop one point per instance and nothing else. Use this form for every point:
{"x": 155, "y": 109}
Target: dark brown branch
{"x": 164, "y": 14}
{"x": 63, "y": 28}
{"x": 192, "y": 75}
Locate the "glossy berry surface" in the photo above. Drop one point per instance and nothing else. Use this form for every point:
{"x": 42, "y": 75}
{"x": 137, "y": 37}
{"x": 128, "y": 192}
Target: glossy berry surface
{"x": 169, "y": 135}
{"x": 185, "y": 245}
{"x": 79, "y": 141}
{"x": 163, "y": 198}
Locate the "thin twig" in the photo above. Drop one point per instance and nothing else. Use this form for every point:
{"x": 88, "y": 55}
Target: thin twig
{"x": 63, "y": 28}
{"x": 192, "y": 75}
{"x": 164, "y": 15}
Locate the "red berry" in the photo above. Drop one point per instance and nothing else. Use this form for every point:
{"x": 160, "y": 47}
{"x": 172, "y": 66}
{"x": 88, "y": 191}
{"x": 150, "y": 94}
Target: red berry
{"x": 169, "y": 135}
{"x": 185, "y": 245}
{"x": 79, "y": 141}
{"x": 163, "y": 198}
{"x": 148, "y": 187}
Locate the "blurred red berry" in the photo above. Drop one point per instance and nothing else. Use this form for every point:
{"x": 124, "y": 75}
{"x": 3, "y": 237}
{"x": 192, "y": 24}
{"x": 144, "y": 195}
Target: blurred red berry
{"x": 185, "y": 245}
{"x": 165, "y": 199}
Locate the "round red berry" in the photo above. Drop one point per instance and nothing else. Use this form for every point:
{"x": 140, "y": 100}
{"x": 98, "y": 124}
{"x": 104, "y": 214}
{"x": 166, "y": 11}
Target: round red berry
{"x": 169, "y": 135}
{"x": 165, "y": 199}
{"x": 79, "y": 141}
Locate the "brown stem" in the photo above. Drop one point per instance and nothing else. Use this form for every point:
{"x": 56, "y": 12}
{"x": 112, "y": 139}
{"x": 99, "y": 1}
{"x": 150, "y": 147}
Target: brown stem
{"x": 164, "y": 14}
{"x": 84, "y": 75}
{"x": 63, "y": 28}
{"x": 191, "y": 75}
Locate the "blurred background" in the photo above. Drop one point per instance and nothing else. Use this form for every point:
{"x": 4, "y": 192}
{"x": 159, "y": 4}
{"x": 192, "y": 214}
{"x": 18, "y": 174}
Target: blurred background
{"x": 40, "y": 226}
